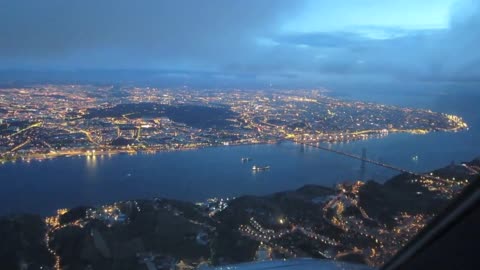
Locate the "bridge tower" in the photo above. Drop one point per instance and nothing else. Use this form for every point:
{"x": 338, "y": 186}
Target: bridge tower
{"x": 364, "y": 157}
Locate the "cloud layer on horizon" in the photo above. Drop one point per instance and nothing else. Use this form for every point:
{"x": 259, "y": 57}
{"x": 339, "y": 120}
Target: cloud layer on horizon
{"x": 235, "y": 39}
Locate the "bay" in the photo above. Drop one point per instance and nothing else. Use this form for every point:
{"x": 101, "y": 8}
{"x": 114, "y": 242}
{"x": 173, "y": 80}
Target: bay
{"x": 44, "y": 186}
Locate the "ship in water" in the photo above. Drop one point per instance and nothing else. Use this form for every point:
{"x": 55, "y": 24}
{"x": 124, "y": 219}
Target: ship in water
{"x": 256, "y": 168}
{"x": 246, "y": 159}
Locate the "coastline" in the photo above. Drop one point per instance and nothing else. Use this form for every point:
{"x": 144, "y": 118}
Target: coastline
{"x": 89, "y": 152}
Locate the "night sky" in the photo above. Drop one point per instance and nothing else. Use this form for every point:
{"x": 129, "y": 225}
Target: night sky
{"x": 272, "y": 40}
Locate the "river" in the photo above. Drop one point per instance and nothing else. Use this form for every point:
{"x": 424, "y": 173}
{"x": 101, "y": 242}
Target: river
{"x": 43, "y": 186}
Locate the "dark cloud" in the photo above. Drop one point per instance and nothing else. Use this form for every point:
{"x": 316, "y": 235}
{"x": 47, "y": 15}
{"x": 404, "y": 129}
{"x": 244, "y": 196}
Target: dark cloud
{"x": 231, "y": 40}
{"x": 134, "y": 33}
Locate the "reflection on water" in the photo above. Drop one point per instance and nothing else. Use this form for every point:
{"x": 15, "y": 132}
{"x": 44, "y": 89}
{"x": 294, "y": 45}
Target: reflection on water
{"x": 195, "y": 175}
{"x": 91, "y": 162}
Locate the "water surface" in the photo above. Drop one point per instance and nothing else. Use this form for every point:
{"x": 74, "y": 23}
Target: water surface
{"x": 42, "y": 187}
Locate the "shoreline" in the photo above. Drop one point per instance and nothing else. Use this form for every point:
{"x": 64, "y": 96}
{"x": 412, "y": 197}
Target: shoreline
{"x": 287, "y": 143}
{"x": 362, "y": 136}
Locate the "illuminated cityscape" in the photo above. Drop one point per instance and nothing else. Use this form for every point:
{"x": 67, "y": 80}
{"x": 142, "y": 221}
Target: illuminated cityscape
{"x": 239, "y": 135}
{"x": 49, "y": 120}
{"x": 361, "y": 222}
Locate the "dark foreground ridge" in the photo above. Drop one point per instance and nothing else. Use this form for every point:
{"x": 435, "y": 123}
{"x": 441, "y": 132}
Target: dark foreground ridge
{"x": 362, "y": 222}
